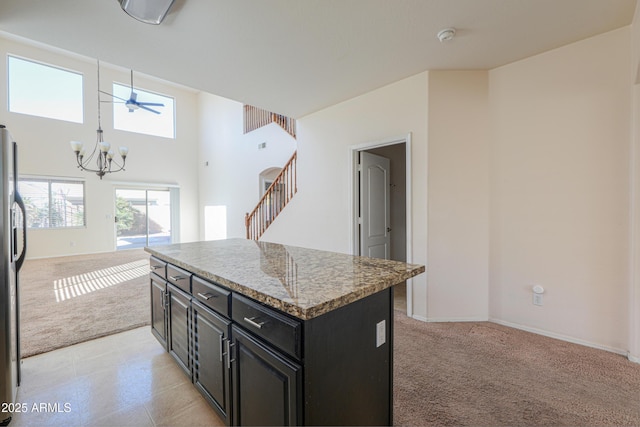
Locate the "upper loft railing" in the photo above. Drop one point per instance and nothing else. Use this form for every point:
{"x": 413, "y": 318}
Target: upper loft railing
{"x": 273, "y": 201}
{"x": 255, "y": 118}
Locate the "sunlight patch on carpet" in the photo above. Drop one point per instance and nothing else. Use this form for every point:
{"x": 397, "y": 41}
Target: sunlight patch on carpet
{"x": 82, "y": 284}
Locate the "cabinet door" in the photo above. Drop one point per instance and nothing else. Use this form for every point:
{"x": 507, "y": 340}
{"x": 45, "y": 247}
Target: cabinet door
{"x": 266, "y": 385}
{"x": 158, "y": 315}
{"x": 210, "y": 370}
{"x": 179, "y": 324}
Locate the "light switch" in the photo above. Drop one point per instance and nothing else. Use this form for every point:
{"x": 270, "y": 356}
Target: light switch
{"x": 381, "y": 333}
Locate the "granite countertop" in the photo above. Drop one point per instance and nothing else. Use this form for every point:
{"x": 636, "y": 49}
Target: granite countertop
{"x": 302, "y": 282}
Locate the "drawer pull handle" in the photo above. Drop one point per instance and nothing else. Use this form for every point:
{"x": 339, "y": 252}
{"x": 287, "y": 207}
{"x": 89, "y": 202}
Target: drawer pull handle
{"x": 176, "y": 278}
{"x": 252, "y": 322}
{"x": 207, "y": 296}
{"x": 155, "y": 267}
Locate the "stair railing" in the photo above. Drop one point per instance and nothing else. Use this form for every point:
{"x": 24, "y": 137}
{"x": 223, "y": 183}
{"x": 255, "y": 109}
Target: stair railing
{"x": 255, "y": 118}
{"x": 276, "y": 197}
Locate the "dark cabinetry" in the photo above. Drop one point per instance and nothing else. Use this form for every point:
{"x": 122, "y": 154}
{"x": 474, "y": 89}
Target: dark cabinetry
{"x": 171, "y": 310}
{"x": 211, "y": 373}
{"x": 266, "y": 385}
{"x": 179, "y": 319}
{"x": 158, "y": 304}
{"x": 256, "y": 365}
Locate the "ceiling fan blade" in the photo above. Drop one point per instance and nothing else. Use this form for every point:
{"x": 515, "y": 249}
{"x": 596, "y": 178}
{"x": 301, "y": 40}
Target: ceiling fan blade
{"x": 153, "y": 104}
{"x": 148, "y": 109}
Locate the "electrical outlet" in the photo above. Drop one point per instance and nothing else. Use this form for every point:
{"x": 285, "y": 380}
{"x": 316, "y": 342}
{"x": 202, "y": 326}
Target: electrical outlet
{"x": 537, "y": 299}
{"x": 381, "y": 333}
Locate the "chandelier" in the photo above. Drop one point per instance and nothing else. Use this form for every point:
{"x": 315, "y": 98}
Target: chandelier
{"x": 102, "y": 153}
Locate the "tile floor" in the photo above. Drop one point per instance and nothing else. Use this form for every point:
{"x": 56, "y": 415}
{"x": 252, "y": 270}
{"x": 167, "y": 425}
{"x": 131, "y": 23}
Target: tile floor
{"x": 125, "y": 379}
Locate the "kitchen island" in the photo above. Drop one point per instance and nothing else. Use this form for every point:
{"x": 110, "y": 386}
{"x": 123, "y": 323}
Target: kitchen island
{"x": 279, "y": 335}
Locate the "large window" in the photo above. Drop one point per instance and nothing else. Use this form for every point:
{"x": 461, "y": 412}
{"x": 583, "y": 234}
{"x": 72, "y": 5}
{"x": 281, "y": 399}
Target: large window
{"x": 53, "y": 203}
{"x": 141, "y": 120}
{"x": 45, "y": 91}
{"x": 143, "y": 217}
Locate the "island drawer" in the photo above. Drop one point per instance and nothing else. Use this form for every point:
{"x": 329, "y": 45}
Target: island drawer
{"x": 158, "y": 266}
{"x": 179, "y": 277}
{"x": 277, "y": 329}
{"x": 211, "y": 295}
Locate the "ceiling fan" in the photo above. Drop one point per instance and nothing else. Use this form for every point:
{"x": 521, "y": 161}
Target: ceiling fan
{"x": 132, "y": 103}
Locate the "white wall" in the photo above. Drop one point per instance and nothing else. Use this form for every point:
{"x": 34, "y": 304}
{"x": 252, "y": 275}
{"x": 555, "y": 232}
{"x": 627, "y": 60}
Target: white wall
{"x": 560, "y": 190}
{"x": 528, "y": 183}
{"x": 458, "y": 261}
{"x": 231, "y": 181}
{"x": 44, "y": 151}
{"x": 320, "y": 214}
{"x": 634, "y": 288}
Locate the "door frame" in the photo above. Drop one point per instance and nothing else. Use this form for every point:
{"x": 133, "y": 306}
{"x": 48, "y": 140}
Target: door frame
{"x": 354, "y": 154}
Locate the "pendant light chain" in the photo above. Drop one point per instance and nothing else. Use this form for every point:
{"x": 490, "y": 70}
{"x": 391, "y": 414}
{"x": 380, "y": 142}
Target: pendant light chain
{"x": 102, "y": 149}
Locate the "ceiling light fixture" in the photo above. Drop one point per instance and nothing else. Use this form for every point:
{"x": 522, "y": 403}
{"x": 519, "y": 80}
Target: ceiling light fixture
{"x": 446, "y": 34}
{"x": 102, "y": 150}
{"x": 147, "y": 11}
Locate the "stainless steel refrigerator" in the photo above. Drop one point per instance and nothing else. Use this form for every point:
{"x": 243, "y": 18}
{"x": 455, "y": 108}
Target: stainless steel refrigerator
{"x": 12, "y": 253}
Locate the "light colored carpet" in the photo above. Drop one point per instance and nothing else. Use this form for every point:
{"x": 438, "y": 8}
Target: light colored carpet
{"x": 67, "y": 300}
{"x": 485, "y": 374}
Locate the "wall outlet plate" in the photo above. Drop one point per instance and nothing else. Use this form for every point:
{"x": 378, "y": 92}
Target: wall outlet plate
{"x": 381, "y": 333}
{"x": 537, "y": 299}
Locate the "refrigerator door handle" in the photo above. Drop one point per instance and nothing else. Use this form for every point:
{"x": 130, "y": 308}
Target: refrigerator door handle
{"x": 22, "y": 207}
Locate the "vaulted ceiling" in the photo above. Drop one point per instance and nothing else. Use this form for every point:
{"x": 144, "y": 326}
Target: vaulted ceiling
{"x": 298, "y": 56}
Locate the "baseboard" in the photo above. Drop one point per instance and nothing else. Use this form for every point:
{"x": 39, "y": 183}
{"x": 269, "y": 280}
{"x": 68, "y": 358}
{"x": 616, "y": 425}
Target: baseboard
{"x": 449, "y": 319}
{"x": 632, "y": 358}
{"x": 79, "y": 254}
{"x": 563, "y": 337}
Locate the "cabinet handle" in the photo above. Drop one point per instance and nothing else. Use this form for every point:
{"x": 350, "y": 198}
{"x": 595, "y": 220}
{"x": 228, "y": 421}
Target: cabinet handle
{"x": 207, "y": 296}
{"x": 155, "y": 267}
{"x": 176, "y": 278}
{"x": 222, "y": 341}
{"x": 252, "y": 322}
{"x": 229, "y": 359}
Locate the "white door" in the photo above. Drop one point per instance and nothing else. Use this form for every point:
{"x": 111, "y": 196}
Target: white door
{"x": 375, "y": 210}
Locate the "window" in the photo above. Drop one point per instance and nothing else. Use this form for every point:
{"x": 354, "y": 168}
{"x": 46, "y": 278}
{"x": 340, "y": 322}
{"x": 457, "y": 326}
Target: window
{"x": 45, "y": 91}
{"x": 144, "y": 217}
{"x": 141, "y": 120}
{"x": 53, "y": 203}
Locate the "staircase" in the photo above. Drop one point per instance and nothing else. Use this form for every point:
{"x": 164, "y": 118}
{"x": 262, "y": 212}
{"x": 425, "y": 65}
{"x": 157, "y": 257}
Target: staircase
{"x": 277, "y": 196}
{"x": 255, "y": 118}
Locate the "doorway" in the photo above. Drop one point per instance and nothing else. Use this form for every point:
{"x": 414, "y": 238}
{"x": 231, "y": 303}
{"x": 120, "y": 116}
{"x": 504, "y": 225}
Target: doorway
{"x": 396, "y": 221}
{"x": 143, "y": 218}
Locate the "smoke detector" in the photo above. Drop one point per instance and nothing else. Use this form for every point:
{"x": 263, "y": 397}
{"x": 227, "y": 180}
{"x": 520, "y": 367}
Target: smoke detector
{"x": 446, "y": 34}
